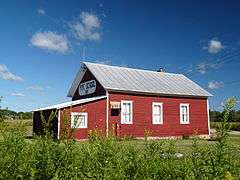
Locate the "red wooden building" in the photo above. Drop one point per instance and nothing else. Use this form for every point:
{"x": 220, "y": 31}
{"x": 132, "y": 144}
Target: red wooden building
{"x": 132, "y": 102}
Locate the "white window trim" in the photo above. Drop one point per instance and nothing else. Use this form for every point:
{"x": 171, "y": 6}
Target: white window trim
{"x": 161, "y": 115}
{"x": 131, "y": 112}
{"x": 79, "y": 113}
{"x": 181, "y": 120}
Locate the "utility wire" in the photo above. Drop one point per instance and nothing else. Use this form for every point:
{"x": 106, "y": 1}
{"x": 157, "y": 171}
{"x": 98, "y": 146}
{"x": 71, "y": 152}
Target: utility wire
{"x": 227, "y": 59}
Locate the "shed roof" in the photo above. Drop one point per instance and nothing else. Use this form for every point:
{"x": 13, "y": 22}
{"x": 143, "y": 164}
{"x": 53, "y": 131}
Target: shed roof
{"x": 115, "y": 78}
{"x": 71, "y": 103}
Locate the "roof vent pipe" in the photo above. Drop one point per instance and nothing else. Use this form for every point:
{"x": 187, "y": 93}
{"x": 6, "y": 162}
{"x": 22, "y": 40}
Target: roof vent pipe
{"x": 161, "y": 70}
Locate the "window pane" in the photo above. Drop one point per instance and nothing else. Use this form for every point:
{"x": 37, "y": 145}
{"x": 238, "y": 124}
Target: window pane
{"x": 157, "y": 109}
{"x": 127, "y": 118}
{"x": 156, "y": 118}
{"x": 81, "y": 120}
{"x": 157, "y": 112}
{"x": 127, "y": 108}
{"x": 78, "y": 121}
{"x": 126, "y": 112}
{"x": 184, "y": 111}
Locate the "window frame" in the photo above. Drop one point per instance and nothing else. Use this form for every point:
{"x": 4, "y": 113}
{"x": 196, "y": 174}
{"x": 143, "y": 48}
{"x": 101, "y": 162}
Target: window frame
{"x": 79, "y": 114}
{"x": 131, "y": 112}
{"x": 161, "y": 112}
{"x": 188, "y": 114}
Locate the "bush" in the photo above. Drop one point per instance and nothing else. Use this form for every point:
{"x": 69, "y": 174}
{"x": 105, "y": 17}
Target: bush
{"x": 109, "y": 158}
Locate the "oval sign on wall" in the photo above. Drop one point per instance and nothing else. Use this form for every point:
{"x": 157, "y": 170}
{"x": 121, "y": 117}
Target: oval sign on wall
{"x": 86, "y": 88}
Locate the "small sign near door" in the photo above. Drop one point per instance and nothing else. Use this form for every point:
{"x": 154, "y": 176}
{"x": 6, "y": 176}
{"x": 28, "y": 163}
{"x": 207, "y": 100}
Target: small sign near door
{"x": 115, "y": 105}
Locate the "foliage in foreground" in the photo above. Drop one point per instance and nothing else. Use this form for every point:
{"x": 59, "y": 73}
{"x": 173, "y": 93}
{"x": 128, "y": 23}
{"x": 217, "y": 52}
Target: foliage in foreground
{"x": 109, "y": 158}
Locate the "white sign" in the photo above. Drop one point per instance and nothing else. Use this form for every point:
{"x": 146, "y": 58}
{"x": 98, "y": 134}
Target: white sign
{"x": 86, "y": 88}
{"x": 115, "y": 105}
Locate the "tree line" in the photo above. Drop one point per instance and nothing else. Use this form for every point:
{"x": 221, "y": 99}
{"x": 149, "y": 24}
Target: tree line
{"x": 9, "y": 114}
{"x": 217, "y": 116}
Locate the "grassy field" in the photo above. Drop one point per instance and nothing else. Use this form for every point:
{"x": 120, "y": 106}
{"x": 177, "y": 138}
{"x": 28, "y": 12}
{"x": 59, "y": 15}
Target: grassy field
{"x": 110, "y": 158}
{"x": 235, "y": 126}
{"x": 185, "y": 145}
{"x": 182, "y": 145}
{"x": 28, "y": 123}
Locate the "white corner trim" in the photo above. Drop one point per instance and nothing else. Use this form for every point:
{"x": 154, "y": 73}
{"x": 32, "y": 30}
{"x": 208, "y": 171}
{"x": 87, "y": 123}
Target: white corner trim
{"x": 131, "y": 112}
{"x": 107, "y": 113}
{"x": 181, "y": 120}
{"x": 58, "y": 127}
{"x": 161, "y": 111}
{"x": 209, "y": 130}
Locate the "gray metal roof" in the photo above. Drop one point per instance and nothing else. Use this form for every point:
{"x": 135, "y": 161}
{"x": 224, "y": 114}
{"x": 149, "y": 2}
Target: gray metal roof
{"x": 116, "y": 78}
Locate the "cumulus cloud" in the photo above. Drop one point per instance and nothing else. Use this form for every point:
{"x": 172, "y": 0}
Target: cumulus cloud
{"x": 41, "y": 12}
{"x": 17, "y": 94}
{"x": 215, "y": 84}
{"x": 7, "y": 75}
{"x": 50, "y": 41}
{"x": 87, "y": 28}
{"x": 214, "y": 46}
{"x": 35, "y": 88}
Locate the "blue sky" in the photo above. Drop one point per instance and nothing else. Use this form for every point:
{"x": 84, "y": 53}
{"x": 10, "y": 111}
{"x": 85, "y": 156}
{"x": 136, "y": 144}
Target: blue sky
{"x": 42, "y": 44}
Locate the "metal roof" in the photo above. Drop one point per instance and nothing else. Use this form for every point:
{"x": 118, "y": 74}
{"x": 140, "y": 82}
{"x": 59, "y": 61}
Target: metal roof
{"x": 114, "y": 78}
{"x": 71, "y": 103}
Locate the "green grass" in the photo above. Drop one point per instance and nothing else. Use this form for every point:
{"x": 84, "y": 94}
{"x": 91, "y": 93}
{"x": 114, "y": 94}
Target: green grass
{"x": 27, "y": 123}
{"x": 234, "y": 126}
{"x": 182, "y": 145}
{"x": 109, "y": 158}
{"x": 235, "y": 140}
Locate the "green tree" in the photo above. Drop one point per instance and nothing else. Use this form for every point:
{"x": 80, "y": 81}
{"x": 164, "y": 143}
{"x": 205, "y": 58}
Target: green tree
{"x": 215, "y": 116}
{"x": 1, "y": 113}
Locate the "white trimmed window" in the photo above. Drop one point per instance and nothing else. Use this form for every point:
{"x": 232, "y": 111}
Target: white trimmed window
{"x": 79, "y": 119}
{"x": 126, "y": 112}
{"x": 184, "y": 114}
{"x": 157, "y": 113}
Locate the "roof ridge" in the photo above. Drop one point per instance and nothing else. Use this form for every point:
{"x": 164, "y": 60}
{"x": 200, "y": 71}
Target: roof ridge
{"x": 130, "y": 68}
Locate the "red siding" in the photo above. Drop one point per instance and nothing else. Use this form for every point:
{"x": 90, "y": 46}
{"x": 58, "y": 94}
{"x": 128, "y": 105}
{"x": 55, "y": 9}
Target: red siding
{"x": 142, "y": 116}
{"x": 99, "y": 89}
{"x": 96, "y": 117}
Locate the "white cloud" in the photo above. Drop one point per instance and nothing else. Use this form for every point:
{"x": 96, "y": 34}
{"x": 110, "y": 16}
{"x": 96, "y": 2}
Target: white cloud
{"x": 41, "y": 12}
{"x": 35, "y": 88}
{"x": 214, "y": 46}
{"x": 215, "y": 85}
{"x": 87, "y": 28}
{"x": 17, "y": 94}
{"x": 203, "y": 67}
{"x": 7, "y": 75}
{"x": 50, "y": 41}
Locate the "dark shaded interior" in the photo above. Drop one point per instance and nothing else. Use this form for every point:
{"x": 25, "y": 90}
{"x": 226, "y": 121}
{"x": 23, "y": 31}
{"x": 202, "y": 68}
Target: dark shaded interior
{"x": 38, "y": 123}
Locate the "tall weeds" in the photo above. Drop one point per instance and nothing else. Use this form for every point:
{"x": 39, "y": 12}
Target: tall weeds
{"x": 108, "y": 158}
